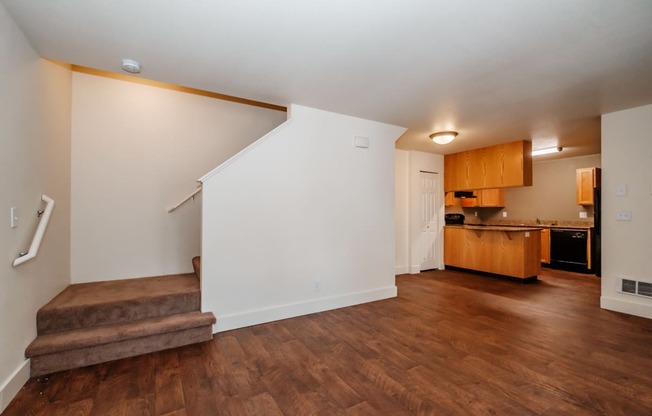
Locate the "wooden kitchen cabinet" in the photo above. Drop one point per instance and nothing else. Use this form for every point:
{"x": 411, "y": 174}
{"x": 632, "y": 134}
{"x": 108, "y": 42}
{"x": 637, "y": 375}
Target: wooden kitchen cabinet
{"x": 586, "y": 179}
{"x": 508, "y": 251}
{"x": 545, "y": 246}
{"x": 500, "y": 166}
{"x": 449, "y": 199}
{"x": 486, "y": 198}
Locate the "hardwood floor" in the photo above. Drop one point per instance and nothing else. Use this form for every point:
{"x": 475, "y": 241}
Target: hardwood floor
{"x": 451, "y": 343}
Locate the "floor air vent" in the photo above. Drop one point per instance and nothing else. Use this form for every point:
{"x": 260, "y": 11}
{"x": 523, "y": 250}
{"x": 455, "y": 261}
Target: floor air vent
{"x": 645, "y": 289}
{"x": 635, "y": 287}
{"x": 629, "y": 286}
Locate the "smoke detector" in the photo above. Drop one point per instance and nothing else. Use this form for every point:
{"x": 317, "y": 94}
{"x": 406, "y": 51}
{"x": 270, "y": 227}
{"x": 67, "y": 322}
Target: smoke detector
{"x": 131, "y": 66}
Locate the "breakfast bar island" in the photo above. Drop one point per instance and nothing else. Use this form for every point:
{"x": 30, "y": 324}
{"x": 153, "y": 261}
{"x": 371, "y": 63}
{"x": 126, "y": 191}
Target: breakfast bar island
{"x": 507, "y": 251}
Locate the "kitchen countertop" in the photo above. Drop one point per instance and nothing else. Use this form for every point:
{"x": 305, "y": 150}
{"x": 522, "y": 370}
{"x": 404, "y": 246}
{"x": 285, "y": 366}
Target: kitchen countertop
{"x": 533, "y": 224}
{"x": 505, "y": 228}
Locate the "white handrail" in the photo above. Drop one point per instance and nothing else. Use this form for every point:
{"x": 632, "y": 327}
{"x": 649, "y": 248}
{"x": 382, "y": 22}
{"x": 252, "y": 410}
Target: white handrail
{"x": 38, "y": 235}
{"x": 191, "y": 196}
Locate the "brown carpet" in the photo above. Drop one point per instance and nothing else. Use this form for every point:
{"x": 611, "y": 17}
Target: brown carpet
{"x": 90, "y": 323}
{"x": 196, "y": 265}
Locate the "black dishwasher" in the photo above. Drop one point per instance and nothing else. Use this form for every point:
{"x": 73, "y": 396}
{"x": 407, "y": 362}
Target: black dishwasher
{"x": 568, "y": 249}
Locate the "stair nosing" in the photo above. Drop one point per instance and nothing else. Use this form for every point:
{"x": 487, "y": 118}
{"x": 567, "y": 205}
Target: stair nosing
{"x": 127, "y": 330}
{"x": 68, "y": 308}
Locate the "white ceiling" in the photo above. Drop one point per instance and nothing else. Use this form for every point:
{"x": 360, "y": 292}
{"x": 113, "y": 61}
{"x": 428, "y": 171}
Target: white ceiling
{"x": 495, "y": 71}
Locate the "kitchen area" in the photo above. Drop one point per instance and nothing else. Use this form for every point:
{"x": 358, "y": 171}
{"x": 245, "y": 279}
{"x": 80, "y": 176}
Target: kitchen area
{"x": 548, "y": 215}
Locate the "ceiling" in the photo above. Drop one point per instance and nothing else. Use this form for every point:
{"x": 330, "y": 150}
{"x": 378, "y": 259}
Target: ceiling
{"x": 495, "y": 71}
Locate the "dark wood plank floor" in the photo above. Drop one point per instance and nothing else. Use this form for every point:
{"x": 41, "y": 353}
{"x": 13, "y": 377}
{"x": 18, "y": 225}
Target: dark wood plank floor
{"x": 451, "y": 343}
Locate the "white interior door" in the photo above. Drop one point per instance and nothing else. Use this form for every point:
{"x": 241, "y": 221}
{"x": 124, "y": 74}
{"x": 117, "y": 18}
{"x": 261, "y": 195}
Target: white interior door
{"x": 428, "y": 221}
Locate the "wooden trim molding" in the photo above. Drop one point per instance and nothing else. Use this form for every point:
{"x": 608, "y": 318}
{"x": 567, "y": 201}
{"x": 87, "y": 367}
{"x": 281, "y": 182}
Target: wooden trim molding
{"x": 174, "y": 87}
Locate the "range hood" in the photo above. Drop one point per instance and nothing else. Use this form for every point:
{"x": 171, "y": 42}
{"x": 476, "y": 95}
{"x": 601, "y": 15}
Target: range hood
{"x": 464, "y": 194}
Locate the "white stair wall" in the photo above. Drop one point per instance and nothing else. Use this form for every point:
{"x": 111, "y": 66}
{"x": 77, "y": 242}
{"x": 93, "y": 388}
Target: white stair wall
{"x": 301, "y": 221}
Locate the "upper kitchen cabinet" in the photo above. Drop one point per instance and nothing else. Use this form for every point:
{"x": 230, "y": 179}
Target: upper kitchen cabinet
{"x": 449, "y": 199}
{"x": 586, "y": 180}
{"x": 500, "y": 166}
{"x": 486, "y": 198}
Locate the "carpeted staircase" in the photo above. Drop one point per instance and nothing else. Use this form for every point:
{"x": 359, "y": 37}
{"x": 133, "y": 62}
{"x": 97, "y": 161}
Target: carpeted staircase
{"x": 90, "y": 323}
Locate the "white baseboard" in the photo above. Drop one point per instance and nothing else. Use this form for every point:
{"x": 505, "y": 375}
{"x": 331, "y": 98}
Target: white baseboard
{"x": 12, "y": 385}
{"x": 401, "y": 270}
{"x": 275, "y": 313}
{"x": 630, "y": 307}
{"x": 415, "y": 269}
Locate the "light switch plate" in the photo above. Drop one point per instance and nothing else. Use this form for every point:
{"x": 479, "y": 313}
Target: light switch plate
{"x": 14, "y": 217}
{"x": 622, "y": 190}
{"x": 504, "y": 214}
{"x": 583, "y": 214}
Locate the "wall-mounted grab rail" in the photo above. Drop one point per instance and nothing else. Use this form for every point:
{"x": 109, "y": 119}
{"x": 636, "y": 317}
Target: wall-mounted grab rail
{"x": 189, "y": 197}
{"x": 40, "y": 230}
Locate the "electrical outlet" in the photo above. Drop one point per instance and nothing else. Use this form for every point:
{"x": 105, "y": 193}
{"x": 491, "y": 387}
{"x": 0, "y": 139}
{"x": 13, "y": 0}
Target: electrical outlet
{"x": 504, "y": 214}
{"x": 624, "y": 215}
{"x": 316, "y": 285}
{"x": 583, "y": 214}
{"x": 475, "y": 213}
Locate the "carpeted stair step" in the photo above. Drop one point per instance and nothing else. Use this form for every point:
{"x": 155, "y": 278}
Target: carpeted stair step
{"x": 94, "y": 304}
{"x": 81, "y": 347}
{"x": 196, "y": 264}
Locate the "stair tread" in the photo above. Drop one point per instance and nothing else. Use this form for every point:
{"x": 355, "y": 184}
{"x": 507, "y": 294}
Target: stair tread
{"x": 79, "y": 338}
{"x": 100, "y": 293}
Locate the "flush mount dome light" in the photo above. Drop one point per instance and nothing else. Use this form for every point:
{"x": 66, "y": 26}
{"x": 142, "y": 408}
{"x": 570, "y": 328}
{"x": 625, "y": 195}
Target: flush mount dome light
{"x": 443, "y": 137}
{"x": 131, "y": 66}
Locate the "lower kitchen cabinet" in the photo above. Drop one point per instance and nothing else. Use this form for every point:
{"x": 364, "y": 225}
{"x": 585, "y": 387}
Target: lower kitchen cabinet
{"x": 508, "y": 251}
{"x": 545, "y": 245}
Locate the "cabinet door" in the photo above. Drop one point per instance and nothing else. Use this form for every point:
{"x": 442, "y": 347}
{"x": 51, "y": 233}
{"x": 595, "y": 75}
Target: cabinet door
{"x": 449, "y": 199}
{"x": 503, "y": 165}
{"x": 491, "y": 198}
{"x": 585, "y": 182}
{"x": 471, "y": 202}
{"x": 545, "y": 246}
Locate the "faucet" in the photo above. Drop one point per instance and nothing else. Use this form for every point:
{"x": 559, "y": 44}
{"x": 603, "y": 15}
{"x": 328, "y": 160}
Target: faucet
{"x": 538, "y": 221}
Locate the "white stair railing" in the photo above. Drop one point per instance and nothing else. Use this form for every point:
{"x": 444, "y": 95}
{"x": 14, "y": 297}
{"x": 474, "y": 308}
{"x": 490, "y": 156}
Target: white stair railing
{"x": 40, "y": 230}
{"x": 184, "y": 200}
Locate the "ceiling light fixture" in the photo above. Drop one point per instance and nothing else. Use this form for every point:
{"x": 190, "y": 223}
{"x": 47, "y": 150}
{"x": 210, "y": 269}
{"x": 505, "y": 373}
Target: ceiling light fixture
{"x": 443, "y": 137}
{"x": 547, "y": 151}
{"x": 131, "y": 66}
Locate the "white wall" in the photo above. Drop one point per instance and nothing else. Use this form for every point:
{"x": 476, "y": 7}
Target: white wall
{"x": 402, "y": 207}
{"x": 426, "y": 162}
{"x": 626, "y": 160}
{"x": 136, "y": 150}
{"x": 34, "y": 159}
{"x": 302, "y": 205}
